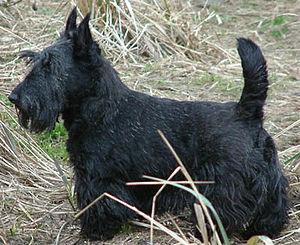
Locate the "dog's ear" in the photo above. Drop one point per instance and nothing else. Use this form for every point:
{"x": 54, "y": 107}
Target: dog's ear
{"x": 84, "y": 37}
{"x": 83, "y": 40}
{"x": 71, "y": 22}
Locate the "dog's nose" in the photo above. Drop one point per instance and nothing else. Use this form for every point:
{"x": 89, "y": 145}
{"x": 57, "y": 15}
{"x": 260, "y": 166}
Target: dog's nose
{"x": 13, "y": 98}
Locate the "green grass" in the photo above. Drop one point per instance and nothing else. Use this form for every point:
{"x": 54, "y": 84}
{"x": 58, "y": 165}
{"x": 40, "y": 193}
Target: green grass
{"x": 207, "y": 79}
{"x": 126, "y": 229}
{"x": 277, "y": 26}
{"x": 224, "y": 86}
{"x": 54, "y": 142}
{"x": 278, "y": 20}
{"x": 151, "y": 67}
{"x": 5, "y": 100}
{"x": 294, "y": 157}
{"x": 15, "y": 229}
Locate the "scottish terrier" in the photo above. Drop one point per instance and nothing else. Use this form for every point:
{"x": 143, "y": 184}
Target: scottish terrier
{"x": 113, "y": 139}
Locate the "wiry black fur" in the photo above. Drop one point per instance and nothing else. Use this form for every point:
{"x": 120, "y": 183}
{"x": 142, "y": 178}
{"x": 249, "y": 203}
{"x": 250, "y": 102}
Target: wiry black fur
{"x": 113, "y": 138}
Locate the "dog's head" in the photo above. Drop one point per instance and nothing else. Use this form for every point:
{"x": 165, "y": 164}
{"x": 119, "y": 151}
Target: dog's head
{"x": 60, "y": 73}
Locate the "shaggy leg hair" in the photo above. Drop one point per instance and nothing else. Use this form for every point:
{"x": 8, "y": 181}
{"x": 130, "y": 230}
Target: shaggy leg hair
{"x": 113, "y": 138}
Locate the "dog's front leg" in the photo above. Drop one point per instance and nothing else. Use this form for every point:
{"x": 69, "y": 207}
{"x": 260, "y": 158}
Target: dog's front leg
{"x": 103, "y": 219}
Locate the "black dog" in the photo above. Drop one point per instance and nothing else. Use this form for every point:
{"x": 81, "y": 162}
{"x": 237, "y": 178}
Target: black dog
{"x": 113, "y": 138}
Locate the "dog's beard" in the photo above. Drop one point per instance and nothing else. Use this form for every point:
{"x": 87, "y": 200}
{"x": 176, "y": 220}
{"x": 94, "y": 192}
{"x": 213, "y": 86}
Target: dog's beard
{"x": 36, "y": 117}
{"x": 23, "y": 117}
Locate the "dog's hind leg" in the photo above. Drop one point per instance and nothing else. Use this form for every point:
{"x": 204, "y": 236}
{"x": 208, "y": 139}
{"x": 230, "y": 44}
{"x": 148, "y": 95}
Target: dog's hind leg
{"x": 272, "y": 218}
{"x": 232, "y": 203}
{"x": 271, "y": 215}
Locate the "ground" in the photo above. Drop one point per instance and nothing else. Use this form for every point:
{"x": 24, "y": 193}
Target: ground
{"x": 186, "y": 53}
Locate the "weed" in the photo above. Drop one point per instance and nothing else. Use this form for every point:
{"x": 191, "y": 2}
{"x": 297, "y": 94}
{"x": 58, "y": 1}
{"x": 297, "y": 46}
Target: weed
{"x": 54, "y": 142}
{"x": 151, "y": 67}
{"x": 207, "y": 79}
{"x": 16, "y": 227}
{"x": 277, "y": 26}
{"x": 126, "y": 229}
{"x": 278, "y": 20}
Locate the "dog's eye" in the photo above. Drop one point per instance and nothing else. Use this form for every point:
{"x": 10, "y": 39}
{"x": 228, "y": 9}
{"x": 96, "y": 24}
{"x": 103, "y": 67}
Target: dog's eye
{"x": 46, "y": 60}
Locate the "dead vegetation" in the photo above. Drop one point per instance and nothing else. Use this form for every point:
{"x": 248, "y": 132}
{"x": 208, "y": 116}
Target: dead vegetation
{"x": 164, "y": 48}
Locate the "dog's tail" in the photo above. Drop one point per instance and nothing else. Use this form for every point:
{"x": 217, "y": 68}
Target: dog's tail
{"x": 256, "y": 80}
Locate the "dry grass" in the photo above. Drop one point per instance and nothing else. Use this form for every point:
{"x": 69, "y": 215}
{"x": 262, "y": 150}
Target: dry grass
{"x": 131, "y": 29}
{"x": 174, "y": 50}
{"x": 32, "y": 194}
